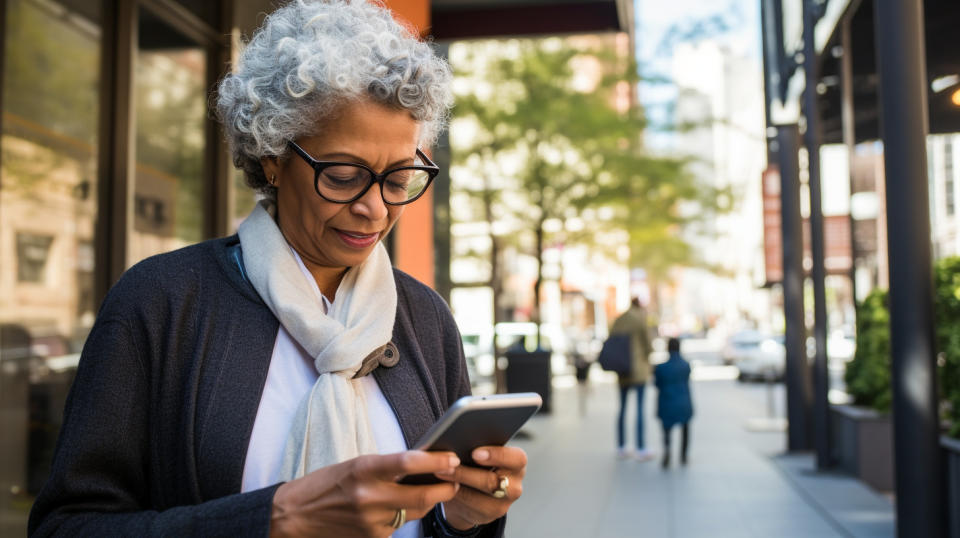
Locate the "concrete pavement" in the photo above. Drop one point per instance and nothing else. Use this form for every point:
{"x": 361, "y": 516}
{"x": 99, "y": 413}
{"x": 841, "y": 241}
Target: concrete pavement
{"x": 738, "y": 483}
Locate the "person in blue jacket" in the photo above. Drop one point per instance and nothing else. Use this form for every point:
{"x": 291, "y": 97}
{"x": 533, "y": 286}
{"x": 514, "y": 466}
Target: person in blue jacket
{"x": 674, "y": 404}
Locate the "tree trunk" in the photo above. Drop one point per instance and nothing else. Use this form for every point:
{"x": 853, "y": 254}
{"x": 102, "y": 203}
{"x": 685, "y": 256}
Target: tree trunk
{"x": 496, "y": 286}
{"x": 536, "y": 286}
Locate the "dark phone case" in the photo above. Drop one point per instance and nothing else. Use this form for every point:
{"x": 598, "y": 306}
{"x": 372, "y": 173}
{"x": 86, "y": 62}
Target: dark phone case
{"x": 475, "y": 427}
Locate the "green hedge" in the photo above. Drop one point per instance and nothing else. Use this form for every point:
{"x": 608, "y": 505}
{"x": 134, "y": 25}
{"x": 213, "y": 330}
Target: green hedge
{"x": 947, "y": 316}
{"x": 868, "y": 374}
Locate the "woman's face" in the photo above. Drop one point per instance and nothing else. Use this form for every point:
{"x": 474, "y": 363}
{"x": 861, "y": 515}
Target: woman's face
{"x": 330, "y": 237}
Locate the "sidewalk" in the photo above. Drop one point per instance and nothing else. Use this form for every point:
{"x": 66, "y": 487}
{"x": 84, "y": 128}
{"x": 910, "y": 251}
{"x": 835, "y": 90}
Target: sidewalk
{"x": 738, "y": 483}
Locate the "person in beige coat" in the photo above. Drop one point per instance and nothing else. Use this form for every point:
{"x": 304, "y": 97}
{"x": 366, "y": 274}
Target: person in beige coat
{"x": 634, "y": 323}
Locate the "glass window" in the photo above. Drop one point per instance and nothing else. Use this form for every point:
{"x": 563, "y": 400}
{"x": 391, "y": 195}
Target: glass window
{"x": 48, "y": 211}
{"x": 170, "y": 111}
{"x": 32, "y": 253}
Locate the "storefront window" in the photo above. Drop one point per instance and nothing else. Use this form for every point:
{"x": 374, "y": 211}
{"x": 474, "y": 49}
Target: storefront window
{"x": 170, "y": 110}
{"x": 48, "y": 211}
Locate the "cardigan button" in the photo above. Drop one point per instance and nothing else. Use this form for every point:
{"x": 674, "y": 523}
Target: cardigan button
{"x": 391, "y": 355}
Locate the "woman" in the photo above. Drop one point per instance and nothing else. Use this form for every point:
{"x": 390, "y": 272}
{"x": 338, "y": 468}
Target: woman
{"x": 271, "y": 382}
{"x": 674, "y": 404}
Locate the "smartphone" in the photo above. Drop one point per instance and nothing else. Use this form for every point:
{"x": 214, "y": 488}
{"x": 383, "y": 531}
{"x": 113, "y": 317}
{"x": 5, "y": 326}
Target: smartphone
{"x": 474, "y": 421}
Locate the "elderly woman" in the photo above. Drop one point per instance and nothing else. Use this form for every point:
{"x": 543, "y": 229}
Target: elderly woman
{"x": 272, "y": 382}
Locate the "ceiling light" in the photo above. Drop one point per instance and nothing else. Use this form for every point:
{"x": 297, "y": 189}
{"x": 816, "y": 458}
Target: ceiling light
{"x": 956, "y": 97}
{"x": 942, "y": 83}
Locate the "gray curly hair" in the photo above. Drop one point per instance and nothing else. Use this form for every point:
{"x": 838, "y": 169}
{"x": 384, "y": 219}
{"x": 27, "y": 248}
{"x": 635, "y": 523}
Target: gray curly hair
{"x": 309, "y": 58}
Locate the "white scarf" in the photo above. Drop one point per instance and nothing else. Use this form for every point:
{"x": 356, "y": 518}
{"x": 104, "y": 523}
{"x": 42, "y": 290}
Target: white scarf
{"x": 331, "y": 423}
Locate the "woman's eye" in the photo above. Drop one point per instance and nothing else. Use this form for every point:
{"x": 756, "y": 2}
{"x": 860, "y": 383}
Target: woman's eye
{"x": 343, "y": 175}
{"x": 399, "y": 180}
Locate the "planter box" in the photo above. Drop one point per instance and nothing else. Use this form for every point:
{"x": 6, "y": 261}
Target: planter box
{"x": 951, "y": 453}
{"x": 863, "y": 444}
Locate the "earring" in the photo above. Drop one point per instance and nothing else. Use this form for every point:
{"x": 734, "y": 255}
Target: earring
{"x": 273, "y": 180}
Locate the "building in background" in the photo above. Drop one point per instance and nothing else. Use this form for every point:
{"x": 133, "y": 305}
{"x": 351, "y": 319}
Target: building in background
{"x": 943, "y": 154}
{"x": 720, "y": 97}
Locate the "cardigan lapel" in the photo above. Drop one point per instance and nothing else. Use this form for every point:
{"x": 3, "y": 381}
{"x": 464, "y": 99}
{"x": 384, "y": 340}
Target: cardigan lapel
{"x": 408, "y": 386}
{"x": 232, "y": 385}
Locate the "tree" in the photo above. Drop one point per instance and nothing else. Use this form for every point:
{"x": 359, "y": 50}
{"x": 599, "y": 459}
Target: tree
{"x": 555, "y": 137}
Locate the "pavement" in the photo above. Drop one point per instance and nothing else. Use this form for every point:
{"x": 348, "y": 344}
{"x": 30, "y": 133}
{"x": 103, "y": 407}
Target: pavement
{"x": 739, "y": 481}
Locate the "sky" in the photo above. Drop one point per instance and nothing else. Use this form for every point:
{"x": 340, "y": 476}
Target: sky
{"x": 656, "y": 18}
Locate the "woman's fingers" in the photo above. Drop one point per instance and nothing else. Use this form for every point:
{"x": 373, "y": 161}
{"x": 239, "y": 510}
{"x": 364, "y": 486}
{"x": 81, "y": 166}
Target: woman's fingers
{"x": 391, "y": 467}
{"x": 418, "y": 500}
{"x": 508, "y": 458}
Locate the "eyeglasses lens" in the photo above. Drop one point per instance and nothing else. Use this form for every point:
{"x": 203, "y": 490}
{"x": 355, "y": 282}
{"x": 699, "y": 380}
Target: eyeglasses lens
{"x": 342, "y": 183}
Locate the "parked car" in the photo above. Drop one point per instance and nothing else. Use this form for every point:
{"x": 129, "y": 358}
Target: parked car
{"x": 742, "y": 344}
{"x": 478, "y": 350}
{"x": 766, "y": 360}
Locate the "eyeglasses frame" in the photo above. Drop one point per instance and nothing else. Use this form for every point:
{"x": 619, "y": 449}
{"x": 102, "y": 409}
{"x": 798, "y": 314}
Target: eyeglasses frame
{"x": 429, "y": 167}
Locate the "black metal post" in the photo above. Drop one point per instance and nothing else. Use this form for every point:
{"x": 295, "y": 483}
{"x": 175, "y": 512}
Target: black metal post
{"x": 770, "y": 66}
{"x": 848, "y": 122}
{"x": 901, "y": 59}
{"x": 797, "y": 371}
{"x": 821, "y": 402}
{"x": 442, "y": 219}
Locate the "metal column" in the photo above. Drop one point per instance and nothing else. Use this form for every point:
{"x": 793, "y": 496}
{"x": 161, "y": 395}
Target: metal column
{"x": 821, "y": 403}
{"x": 849, "y": 123}
{"x": 797, "y": 371}
{"x": 901, "y": 60}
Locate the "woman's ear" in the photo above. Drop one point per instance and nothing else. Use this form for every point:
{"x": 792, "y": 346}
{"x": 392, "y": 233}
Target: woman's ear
{"x": 271, "y": 169}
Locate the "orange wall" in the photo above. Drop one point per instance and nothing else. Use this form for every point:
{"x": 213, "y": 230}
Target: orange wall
{"x": 413, "y": 236}
{"x": 415, "y": 12}
{"x": 413, "y": 241}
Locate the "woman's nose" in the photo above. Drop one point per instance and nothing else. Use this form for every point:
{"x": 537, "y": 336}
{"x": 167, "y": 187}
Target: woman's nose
{"x": 371, "y": 204}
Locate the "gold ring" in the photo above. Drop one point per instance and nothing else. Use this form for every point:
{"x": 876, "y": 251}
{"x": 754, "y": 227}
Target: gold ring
{"x": 501, "y": 491}
{"x": 399, "y": 519}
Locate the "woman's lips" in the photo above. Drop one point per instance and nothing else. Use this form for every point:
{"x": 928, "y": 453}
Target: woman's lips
{"x": 358, "y": 240}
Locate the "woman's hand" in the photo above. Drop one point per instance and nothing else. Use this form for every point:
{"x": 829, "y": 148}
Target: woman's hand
{"x": 479, "y": 502}
{"x": 360, "y": 497}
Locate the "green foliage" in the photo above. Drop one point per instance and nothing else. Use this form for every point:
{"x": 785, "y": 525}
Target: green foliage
{"x": 947, "y": 316}
{"x": 868, "y": 374}
{"x": 551, "y": 106}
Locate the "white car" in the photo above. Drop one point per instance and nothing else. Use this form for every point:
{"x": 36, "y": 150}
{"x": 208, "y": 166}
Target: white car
{"x": 742, "y": 344}
{"x": 478, "y": 350}
{"x": 766, "y": 360}
{"x": 769, "y": 358}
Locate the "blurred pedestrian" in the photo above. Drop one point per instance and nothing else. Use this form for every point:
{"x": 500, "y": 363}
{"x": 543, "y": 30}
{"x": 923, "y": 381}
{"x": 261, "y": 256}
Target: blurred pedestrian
{"x": 633, "y": 322}
{"x": 674, "y": 404}
{"x": 582, "y": 368}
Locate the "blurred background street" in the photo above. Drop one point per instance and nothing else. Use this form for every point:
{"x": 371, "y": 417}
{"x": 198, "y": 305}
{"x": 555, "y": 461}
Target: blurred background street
{"x": 738, "y": 483}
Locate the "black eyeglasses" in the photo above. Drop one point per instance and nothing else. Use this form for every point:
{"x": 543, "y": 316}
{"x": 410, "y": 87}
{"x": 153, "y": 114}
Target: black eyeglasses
{"x": 342, "y": 183}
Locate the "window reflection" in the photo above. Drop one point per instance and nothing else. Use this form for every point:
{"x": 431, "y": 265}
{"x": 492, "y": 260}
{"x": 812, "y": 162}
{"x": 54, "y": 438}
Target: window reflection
{"x": 47, "y": 216}
{"x": 170, "y": 110}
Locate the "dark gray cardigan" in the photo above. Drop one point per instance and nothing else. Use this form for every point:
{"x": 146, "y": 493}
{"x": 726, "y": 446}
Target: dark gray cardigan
{"x": 158, "y": 420}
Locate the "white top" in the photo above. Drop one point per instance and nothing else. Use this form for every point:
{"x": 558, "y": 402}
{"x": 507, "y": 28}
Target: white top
{"x": 289, "y": 379}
